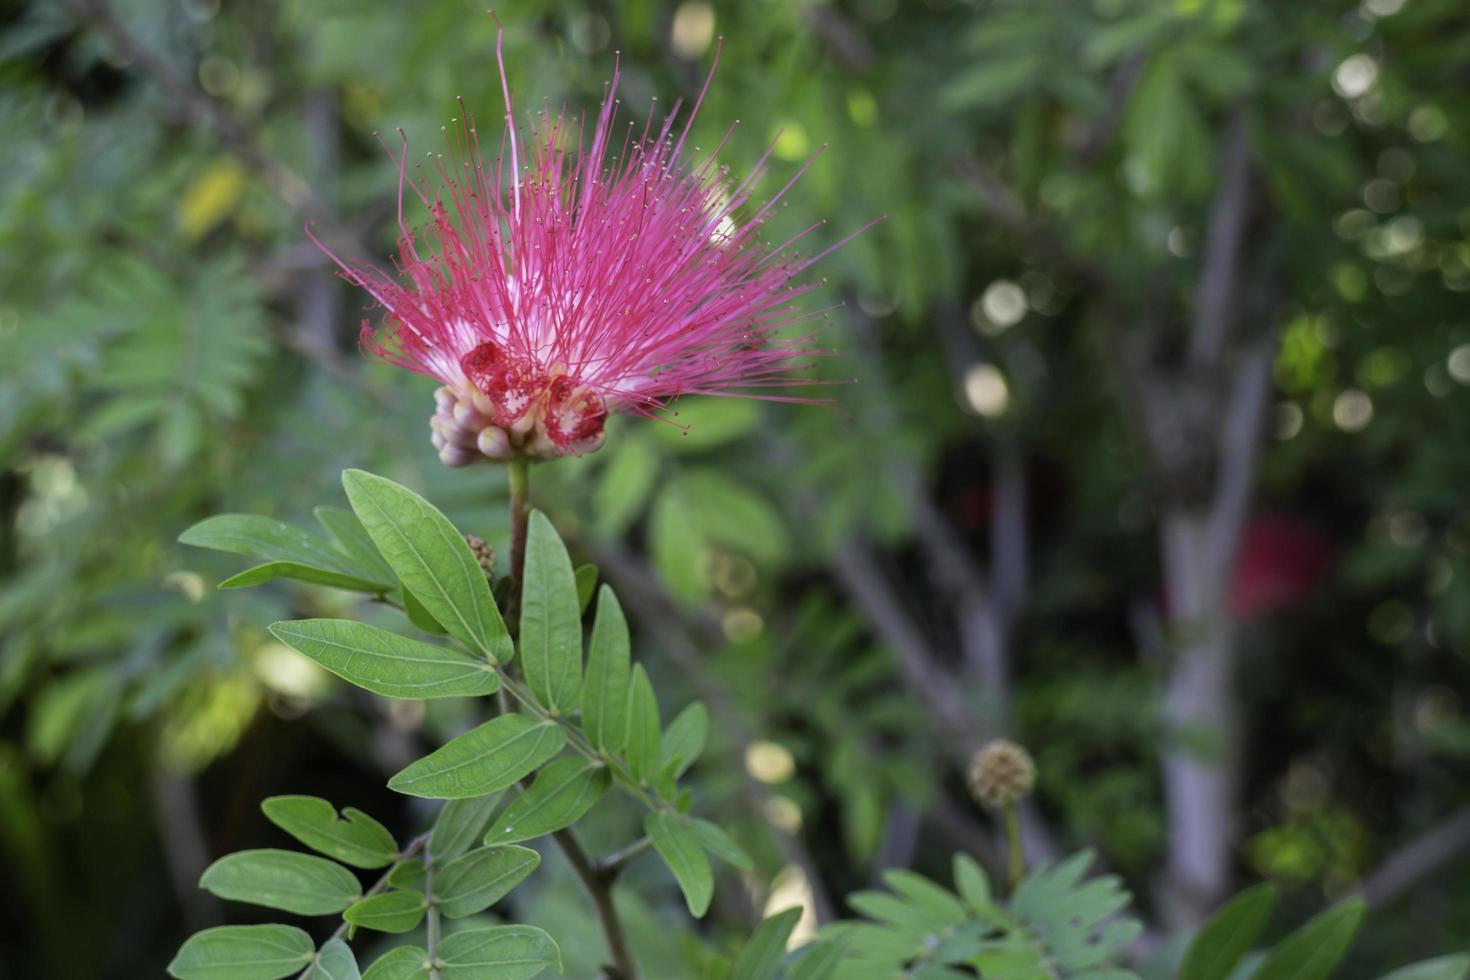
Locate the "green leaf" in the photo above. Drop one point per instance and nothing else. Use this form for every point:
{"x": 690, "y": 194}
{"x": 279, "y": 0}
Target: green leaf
{"x": 762, "y": 953}
{"x": 479, "y": 879}
{"x": 299, "y": 883}
{"x": 937, "y": 905}
{"x": 677, "y": 844}
{"x": 993, "y": 81}
{"x": 418, "y": 615}
{"x": 1312, "y": 951}
{"x": 386, "y": 663}
{"x": 483, "y": 760}
{"x": 261, "y": 537}
{"x": 586, "y": 586}
{"x": 396, "y": 911}
{"x": 819, "y": 962}
{"x": 676, "y": 543}
{"x": 684, "y": 739}
{"x": 403, "y": 963}
{"x": 411, "y": 875}
{"x": 644, "y": 747}
{"x": 243, "y": 953}
{"x": 498, "y": 953}
{"x": 605, "y": 695}
{"x": 271, "y": 571}
{"x": 551, "y": 620}
{"x": 626, "y": 481}
{"x": 432, "y": 560}
{"x": 335, "y": 962}
{"x": 355, "y": 542}
{"x": 973, "y": 886}
{"x": 561, "y": 794}
{"x": 703, "y": 423}
{"x": 713, "y": 839}
{"x": 290, "y": 553}
{"x": 459, "y": 826}
{"x": 1228, "y": 935}
{"x": 358, "y": 840}
{"x": 735, "y": 515}
{"x": 1454, "y": 967}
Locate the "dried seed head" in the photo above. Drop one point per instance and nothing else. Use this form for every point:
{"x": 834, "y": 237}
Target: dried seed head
{"x": 484, "y": 554}
{"x": 1001, "y": 774}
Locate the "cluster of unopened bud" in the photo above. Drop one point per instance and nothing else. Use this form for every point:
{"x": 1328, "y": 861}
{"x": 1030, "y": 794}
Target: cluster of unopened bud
{"x": 484, "y": 555}
{"x": 464, "y": 431}
{"x": 1002, "y": 774}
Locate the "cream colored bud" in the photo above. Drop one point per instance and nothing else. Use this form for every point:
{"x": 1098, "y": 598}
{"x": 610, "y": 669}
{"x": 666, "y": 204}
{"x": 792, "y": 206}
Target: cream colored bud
{"x": 1001, "y": 774}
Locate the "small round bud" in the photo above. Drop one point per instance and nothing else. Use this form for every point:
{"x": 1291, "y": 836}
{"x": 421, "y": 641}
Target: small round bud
{"x": 484, "y": 554}
{"x": 1001, "y": 774}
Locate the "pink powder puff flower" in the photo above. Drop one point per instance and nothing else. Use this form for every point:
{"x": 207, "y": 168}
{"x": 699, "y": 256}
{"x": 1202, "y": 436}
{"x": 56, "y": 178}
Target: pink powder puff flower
{"x": 597, "y": 280}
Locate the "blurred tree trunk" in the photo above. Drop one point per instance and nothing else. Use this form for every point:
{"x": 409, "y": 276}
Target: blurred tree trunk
{"x": 1199, "y": 756}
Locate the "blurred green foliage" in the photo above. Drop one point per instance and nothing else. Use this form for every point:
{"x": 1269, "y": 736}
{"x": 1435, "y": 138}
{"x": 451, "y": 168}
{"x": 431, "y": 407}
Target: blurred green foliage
{"x": 174, "y": 348}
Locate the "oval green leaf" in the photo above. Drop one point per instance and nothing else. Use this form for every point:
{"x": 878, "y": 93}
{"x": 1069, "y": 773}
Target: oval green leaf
{"x": 644, "y": 749}
{"x": 1228, "y": 935}
{"x": 684, "y": 739}
{"x": 1443, "y": 968}
{"x": 479, "y": 879}
{"x": 763, "y": 951}
{"x": 335, "y": 962}
{"x": 432, "y": 560}
{"x": 299, "y": 883}
{"x": 1315, "y": 949}
{"x": 498, "y": 953}
{"x": 605, "y": 694}
{"x": 459, "y": 826}
{"x": 354, "y": 838}
{"x": 482, "y": 760}
{"x": 403, "y": 963}
{"x": 680, "y": 849}
{"x": 243, "y": 953}
{"x": 273, "y": 570}
{"x": 386, "y": 663}
{"x": 551, "y": 620}
{"x": 713, "y": 839}
{"x": 561, "y": 794}
{"x": 397, "y": 911}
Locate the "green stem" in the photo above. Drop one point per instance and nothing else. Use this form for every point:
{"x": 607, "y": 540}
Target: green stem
{"x": 597, "y": 883}
{"x": 416, "y": 845}
{"x": 616, "y": 861}
{"x": 1013, "y": 843}
{"x": 520, "y": 513}
{"x": 431, "y": 926}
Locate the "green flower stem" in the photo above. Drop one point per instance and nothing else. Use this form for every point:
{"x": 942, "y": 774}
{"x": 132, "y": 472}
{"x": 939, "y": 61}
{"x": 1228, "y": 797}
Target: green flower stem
{"x": 520, "y": 515}
{"x": 1013, "y": 844}
{"x": 414, "y": 848}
